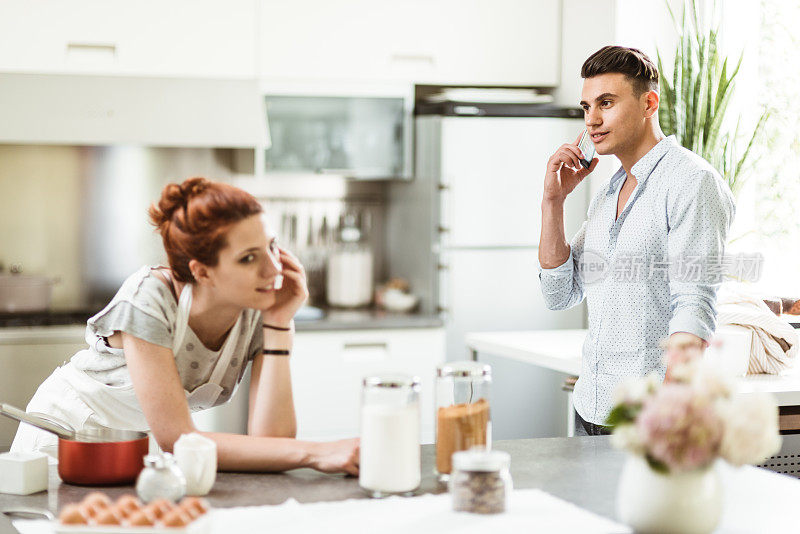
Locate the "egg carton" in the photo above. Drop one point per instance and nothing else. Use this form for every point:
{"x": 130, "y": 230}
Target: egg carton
{"x": 201, "y": 525}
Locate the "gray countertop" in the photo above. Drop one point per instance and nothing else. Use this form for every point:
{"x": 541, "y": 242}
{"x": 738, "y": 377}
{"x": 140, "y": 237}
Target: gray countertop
{"x": 582, "y": 470}
{"x": 367, "y": 319}
{"x": 22, "y": 330}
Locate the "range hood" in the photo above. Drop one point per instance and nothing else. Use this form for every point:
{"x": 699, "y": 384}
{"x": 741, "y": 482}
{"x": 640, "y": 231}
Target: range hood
{"x": 108, "y": 110}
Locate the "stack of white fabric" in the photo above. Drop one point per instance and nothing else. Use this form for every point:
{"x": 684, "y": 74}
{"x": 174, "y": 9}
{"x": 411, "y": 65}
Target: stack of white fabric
{"x": 775, "y": 342}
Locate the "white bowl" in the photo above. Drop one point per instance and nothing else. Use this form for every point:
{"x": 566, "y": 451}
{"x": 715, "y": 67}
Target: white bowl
{"x": 395, "y": 300}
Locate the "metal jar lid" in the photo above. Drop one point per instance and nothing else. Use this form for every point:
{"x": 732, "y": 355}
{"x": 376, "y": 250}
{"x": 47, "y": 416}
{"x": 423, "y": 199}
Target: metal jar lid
{"x": 154, "y": 461}
{"x": 482, "y": 460}
{"x": 391, "y": 380}
{"x": 464, "y": 369}
{"x": 159, "y": 461}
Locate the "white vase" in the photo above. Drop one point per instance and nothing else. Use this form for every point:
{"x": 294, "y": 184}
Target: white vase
{"x": 674, "y": 503}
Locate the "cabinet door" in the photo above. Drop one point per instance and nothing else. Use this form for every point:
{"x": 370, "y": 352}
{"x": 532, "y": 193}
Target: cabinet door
{"x": 331, "y": 40}
{"x": 497, "y": 42}
{"x": 203, "y": 38}
{"x": 493, "y": 168}
{"x": 476, "y": 42}
{"x": 495, "y": 290}
{"x": 327, "y": 370}
{"x": 349, "y": 40}
{"x": 25, "y": 364}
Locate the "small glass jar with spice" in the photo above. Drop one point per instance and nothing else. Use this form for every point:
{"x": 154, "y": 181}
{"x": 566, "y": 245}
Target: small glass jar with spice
{"x": 480, "y": 482}
{"x": 462, "y": 410}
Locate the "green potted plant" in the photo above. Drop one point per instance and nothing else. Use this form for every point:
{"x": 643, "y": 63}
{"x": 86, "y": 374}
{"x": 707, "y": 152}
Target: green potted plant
{"x": 694, "y": 101}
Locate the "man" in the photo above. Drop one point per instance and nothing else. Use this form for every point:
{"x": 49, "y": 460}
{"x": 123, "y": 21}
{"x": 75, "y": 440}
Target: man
{"x": 639, "y": 256}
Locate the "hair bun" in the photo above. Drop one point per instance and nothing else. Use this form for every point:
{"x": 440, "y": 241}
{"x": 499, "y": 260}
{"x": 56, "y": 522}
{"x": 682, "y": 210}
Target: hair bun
{"x": 193, "y": 187}
{"x": 171, "y": 200}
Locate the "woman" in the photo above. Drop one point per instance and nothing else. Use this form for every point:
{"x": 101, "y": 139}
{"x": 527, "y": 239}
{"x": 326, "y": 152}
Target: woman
{"x": 178, "y": 339}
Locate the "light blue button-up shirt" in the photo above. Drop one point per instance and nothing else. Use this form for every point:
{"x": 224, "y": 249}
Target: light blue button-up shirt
{"x": 647, "y": 274}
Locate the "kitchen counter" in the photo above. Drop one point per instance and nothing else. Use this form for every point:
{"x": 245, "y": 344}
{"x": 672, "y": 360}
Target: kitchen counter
{"x": 583, "y": 470}
{"x": 561, "y": 350}
{"x": 55, "y": 326}
{"x": 367, "y": 319}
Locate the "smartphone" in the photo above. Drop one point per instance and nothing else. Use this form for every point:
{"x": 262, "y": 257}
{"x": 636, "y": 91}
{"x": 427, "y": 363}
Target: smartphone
{"x": 587, "y": 148}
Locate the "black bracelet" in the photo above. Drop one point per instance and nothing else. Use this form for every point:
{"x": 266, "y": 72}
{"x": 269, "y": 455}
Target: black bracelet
{"x": 273, "y": 352}
{"x": 276, "y": 328}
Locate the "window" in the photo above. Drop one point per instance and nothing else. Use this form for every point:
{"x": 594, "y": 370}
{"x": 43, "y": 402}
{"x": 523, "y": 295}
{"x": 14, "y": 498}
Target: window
{"x": 768, "y": 207}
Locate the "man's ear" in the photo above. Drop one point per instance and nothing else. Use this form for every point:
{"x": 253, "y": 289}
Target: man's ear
{"x": 651, "y": 100}
{"x": 200, "y": 272}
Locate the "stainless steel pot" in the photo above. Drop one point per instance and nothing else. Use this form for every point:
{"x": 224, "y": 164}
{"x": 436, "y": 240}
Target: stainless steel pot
{"x": 25, "y": 293}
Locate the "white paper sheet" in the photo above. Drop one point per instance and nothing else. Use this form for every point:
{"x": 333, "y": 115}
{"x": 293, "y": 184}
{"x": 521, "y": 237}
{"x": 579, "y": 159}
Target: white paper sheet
{"x": 530, "y": 510}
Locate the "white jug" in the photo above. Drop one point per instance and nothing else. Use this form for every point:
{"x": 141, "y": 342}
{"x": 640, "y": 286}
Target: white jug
{"x": 197, "y": 458}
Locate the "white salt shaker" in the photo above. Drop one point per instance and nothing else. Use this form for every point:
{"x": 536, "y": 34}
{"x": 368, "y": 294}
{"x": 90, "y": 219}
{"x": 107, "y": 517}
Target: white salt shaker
{"x": 23, "y": 473}
{"x": 390, "y": 435}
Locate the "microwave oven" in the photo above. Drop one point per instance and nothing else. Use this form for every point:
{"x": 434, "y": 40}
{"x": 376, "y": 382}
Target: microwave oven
{"x": 364, "y": 137}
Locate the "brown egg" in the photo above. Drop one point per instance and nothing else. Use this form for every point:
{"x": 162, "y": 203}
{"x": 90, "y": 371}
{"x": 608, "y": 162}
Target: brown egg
{"x": 176, "y": 518}
{"x": 160, "y": 507}
{"x": 200, "y": 506}
{"x": 128, "y": 504}
{"x": 92, "y": 509}
{"x": 153, "y": 511}
{"x": 97, "y": 499}
{"x": 109, "y": 516}
{"x": 190, "y": 511}
{"x": 73, "y": 515}
{"x": 141, "y": 518}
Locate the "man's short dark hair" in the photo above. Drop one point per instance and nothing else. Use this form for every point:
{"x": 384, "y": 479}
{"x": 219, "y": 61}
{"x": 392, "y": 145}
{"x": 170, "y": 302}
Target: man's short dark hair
{"x": 631, "y": 62}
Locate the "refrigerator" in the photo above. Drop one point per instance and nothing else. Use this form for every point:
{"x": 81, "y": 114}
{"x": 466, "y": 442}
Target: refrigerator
{"x": 476, "y": 201}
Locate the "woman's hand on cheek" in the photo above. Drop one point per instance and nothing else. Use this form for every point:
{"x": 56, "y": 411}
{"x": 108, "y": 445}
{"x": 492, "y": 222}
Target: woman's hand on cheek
{"x": 291, "y": 296}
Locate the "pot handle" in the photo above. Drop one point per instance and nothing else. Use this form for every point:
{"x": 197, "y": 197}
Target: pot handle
{"x": 66, "y": 427}
{"x": 60, "y": 429}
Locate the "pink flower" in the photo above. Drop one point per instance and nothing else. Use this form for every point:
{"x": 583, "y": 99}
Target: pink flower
{"x": 681, "y": 427}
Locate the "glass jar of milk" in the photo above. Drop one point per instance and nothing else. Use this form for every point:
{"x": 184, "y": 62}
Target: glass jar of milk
{"x": 390, "y": 435}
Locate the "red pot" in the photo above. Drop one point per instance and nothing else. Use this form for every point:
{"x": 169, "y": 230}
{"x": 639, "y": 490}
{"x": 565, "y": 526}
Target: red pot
{"x": 95, "y": 457}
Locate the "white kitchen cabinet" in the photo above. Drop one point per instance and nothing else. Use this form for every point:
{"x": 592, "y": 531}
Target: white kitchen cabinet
{"x": 474, "y": 42}
{"x": 494, "y": 42}
{"x": 191, "y": 38}
{"x": 27, "y": 356}
{"x": 328, "y": 367}
{"x": 328, "y": 40}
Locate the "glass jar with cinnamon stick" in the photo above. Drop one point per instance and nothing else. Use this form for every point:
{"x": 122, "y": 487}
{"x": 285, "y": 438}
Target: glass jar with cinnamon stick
{"x": 462, "y": 411}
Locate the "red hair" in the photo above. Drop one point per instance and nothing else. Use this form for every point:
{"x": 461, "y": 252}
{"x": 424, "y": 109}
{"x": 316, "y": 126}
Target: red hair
{"x": 193, "y": 219}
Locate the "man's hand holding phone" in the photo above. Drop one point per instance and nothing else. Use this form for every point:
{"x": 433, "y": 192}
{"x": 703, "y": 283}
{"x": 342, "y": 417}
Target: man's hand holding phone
{"x": 565, "y": 171}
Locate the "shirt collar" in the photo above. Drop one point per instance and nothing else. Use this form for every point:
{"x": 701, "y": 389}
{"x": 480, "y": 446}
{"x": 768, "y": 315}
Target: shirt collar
{"x": 644, "y": 167}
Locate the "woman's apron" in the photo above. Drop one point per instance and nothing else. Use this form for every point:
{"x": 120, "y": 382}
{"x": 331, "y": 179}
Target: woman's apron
{"x": 82, "y": 401}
